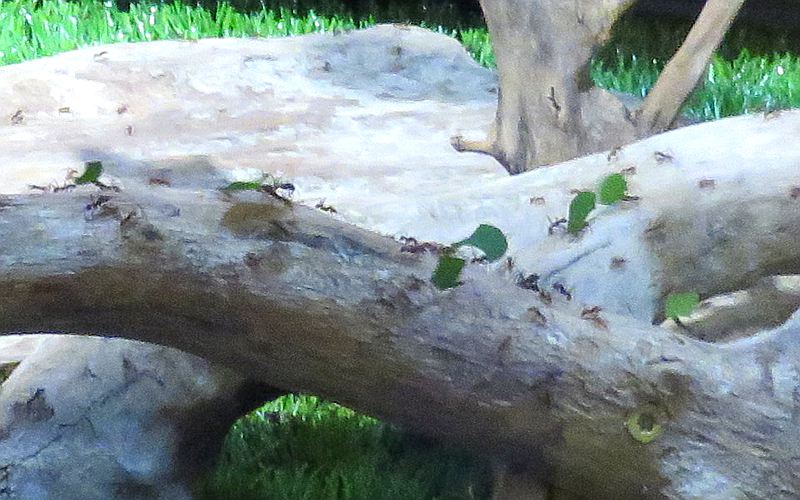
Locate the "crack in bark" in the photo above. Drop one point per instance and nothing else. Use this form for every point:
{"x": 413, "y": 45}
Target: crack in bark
{"x": 545, "y": 276}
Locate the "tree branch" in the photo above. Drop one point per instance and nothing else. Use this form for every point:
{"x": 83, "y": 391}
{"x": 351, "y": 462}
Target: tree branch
{"x": 305, "y": 302}
{"x": 684, "y": 71}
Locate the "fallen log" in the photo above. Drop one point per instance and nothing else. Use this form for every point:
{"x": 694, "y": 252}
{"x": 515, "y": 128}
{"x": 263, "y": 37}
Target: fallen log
{"x": 581, "y": 390}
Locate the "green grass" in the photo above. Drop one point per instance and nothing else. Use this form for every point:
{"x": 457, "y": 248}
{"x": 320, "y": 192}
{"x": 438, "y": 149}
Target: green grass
{"x": 754, "y": 71}
{"x": 30, "y": 29}
{"x": 298, "y": 447}
{"x": 739, "y": 81}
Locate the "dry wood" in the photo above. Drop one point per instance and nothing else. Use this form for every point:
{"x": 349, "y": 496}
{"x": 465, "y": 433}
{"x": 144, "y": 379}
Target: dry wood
{"x": 300, "y": 299}
{"x": 544, "y": 381}
{"x": 687, "y": 67}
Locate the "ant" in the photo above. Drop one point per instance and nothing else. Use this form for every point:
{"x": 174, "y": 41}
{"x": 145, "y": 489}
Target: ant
{"x": 98, "y": 201}
{"x": 54, "y": 187}
{"x": 412, "y": 245}
{"x": 537, "y": 200}
{"x": 555, "y": 224}
{"x": 706, "y": 183}
{"x": 272, "y": 190}
{"x": 325, "y": 208}
{"x": 618, "y": 263}
{"x": 593, "y": 314}
{"x": 504, "y": 345}
{"x": 614, "y": 153}
{"x": 536, "y": 316}
{"x": 529, "y": 282}
{"x": 562, "y": 290}
{"x": 662, "y": 157}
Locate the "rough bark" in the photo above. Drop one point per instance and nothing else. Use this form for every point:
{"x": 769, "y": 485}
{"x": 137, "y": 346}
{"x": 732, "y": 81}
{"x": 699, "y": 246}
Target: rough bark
{"x": 292, "y": 296}
{"x": 548, "y": 109}
{"x": 301, "y": 299}
{"x": 92, "y": 418}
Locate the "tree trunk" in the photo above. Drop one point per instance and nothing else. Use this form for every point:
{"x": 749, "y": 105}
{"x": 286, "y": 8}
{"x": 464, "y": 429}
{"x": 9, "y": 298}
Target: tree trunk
{"x": 548, "y": 109}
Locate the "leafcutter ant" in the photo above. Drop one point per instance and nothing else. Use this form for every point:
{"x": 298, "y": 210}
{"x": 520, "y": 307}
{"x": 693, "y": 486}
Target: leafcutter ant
{"x": 662, "y": 157}
{"x": 98, "y": 201}
{"x": 555, "y": 224}
{"x": 614, "y": 153}
{"x": 325, "y": 208}
{"x": 529, "y": 282}
{"x": 618, "y": 263}
{"x": 562, "y": 290}
{"x": 593, "y": 314}
{"x": 158, "y": 181}
{"x": 252, "y": 259}
{"x": 537, "y": 200}
{"x": 412, "y": 245}
{"x": 504, "y": 345}
{"x": 706, "y": 183}
{"x": 274, "y": 190}
{"x": 536, "y": 316}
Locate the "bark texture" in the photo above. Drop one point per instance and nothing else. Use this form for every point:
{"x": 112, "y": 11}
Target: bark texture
{"x": 91, "y": 419}
{"x": 311, "y": 300}
{"x": 292, "y": 296}
{"x": 549, "y": 111}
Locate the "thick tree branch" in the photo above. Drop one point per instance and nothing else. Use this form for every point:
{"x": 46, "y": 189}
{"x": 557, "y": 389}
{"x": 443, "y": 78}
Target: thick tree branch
{"x": 292, "y": 296}
{"x": 684, "y": 71}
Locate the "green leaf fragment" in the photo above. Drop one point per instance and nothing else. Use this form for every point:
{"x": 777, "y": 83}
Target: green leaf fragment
{"x": 243, "y": 186}
{"x": 91, "y": 173}
{"x": 489, "y": 240}
{"x": 613, "y": 189}
{"x": 579, "y": 209}
{"x": 681, "y": 304}
{"x": 447, "y": 272}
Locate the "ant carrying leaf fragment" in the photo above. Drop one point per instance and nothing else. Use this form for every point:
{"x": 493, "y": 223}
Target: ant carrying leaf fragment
{"x": 447, "y": 272}
{"x": 486, "y": 238}
{"x": 268, "y": 184}
{"x": 91, "y": 174}
{"x": 579, "y": 209}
